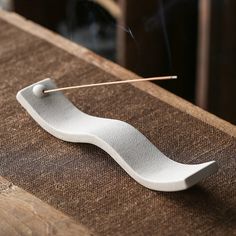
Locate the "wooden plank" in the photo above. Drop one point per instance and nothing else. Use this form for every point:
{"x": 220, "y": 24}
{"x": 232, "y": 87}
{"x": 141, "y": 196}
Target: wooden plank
{"x": 23, "y": 214}
{"x": 203, "y": 54}
{"x": 222, "y": 72}
{"x": 216, "y": 60}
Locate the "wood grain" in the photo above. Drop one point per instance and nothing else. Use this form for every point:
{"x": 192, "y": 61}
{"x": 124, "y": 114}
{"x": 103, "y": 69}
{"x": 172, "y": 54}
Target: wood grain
{"x": 23, "y": 214}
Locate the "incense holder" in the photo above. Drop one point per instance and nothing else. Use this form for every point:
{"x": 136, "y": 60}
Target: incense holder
{"x": 125, "y": 144}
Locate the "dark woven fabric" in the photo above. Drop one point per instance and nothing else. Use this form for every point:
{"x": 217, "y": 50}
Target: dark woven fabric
{"x": 82, "y": 180}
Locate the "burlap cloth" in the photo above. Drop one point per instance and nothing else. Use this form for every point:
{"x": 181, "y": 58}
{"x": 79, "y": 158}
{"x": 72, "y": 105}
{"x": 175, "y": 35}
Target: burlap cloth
{"x": 83, "y": 181}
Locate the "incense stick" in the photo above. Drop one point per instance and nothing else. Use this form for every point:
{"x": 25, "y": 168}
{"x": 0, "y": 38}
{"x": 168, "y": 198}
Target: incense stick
{"x": 111, "y": 83}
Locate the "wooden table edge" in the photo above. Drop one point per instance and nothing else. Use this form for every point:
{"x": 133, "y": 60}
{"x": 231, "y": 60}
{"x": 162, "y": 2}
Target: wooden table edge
{"x": 115, "y": 69}
{"x": 21, "y": 213}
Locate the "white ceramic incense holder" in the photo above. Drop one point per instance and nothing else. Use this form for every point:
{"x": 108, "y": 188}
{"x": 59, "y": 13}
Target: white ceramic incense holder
{"x": 125, "y": 144}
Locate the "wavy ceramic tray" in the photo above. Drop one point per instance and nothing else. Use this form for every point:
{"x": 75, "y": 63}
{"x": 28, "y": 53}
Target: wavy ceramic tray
{"x": 125, "y": 144}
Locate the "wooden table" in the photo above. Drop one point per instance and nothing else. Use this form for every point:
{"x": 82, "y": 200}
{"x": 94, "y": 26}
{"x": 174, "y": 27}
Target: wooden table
{"x": 43, "y": 203}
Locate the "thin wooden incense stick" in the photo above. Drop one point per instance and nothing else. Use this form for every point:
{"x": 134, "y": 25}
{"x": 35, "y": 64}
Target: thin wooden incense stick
{"x": 111, "y": 83}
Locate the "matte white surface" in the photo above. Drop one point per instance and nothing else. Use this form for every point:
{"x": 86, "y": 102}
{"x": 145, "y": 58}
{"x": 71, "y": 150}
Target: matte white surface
{"x": 128, "y": 147}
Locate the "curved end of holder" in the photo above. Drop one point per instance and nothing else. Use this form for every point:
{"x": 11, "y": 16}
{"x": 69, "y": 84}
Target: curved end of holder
{"x": 205, "y": 170}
